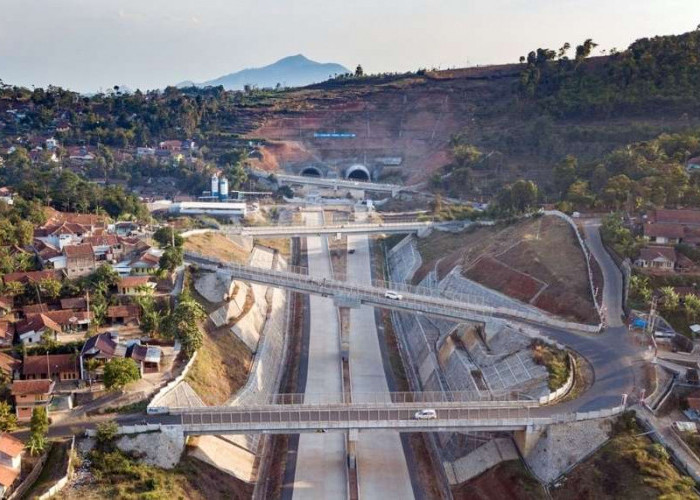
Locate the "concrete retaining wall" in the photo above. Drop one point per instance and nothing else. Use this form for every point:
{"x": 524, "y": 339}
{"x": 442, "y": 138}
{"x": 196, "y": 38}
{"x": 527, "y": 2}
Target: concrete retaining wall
{"x": 553, "y": 396}
{"x": 153, "y": 407}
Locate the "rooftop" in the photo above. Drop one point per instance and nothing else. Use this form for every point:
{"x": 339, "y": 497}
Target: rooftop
{"x": 28, "y": 387}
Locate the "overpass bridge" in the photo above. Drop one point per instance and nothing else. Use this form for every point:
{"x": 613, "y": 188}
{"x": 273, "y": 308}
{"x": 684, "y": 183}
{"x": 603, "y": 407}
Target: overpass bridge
{"x": 347, "y": 228}
{"x": 340, "y": 417}
{"x": 418, "y": 300}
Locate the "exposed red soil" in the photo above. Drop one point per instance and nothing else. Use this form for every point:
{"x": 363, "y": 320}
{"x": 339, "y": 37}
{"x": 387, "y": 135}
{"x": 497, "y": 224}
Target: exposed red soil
{"x": 494, "y": 274}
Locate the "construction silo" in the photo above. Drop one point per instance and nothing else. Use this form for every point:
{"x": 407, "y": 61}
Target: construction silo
{"x": 214, "y": 185}
{"x": 223, "y": 188}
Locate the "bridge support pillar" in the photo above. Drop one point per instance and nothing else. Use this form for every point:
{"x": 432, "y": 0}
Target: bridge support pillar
{"x": 344, "y": 313}
{"x": 350, "y": 302}
{"x": 353, "y": 436}
{"x": 526, "y": 439}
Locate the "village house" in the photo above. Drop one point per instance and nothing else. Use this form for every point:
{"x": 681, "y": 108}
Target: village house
{"x": 75, "y": 303}
{"x": 101, "y": 348}
{"x": 33, "y": 328}
{"x": 10, "y": 462}
{"x": 124, "y": 315}
{"x": 656, "y": 257}
{"x": 147, "y": 357}
{"x": 106, "y": 247}
{"x": 10, "y": 366}
{"x": 132, "y": 285}
{"x": 7, "y": 195}
{"x": 33, "y": 277}
{"x": 80, "y": 260}
{"x": 7, "y": 333}
{"x": 29, "y": 394}
{"x": 671, "y": 226}
{"x": 7, "y": 307}
{"x": 61, "y": 367}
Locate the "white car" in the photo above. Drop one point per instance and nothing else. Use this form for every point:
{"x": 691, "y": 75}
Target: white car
{"x": 426, "y": 414}
{"x": 389, "y": 294}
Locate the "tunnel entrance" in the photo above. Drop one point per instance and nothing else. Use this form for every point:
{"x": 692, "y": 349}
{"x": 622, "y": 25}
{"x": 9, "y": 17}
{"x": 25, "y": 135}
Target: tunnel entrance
{"x": 358, "y": 172}
{"x": 311, "y": 172}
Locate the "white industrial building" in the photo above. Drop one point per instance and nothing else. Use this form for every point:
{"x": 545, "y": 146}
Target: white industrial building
{"x": 236, "y": 209}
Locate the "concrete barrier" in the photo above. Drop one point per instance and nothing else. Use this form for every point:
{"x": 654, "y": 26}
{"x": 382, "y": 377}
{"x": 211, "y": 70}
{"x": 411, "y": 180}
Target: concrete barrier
{"x": 564, "y": 389}
{"x": 153, "y": 407}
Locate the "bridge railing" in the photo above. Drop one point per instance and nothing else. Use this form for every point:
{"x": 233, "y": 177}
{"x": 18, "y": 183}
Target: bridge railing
{"x": 391, "y": 398}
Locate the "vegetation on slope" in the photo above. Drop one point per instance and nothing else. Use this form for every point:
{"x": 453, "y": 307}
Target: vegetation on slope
{"x": 628, "y": 466}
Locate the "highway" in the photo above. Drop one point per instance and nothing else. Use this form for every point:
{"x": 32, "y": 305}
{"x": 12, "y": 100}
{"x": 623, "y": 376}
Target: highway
{"x": 320, "y": 470}
{"x": 430, "y": 301}
{"x": 381, "y": 463}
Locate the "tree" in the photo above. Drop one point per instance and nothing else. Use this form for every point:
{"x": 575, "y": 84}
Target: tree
{"x": 36, "y": 444}
{"x": 14, "y": 288}
{"x": 50, "y": 288}
{"x": 691, "y": 304}
{"x": 171, "y": 259}
{"x": 165, "y": 235}
{"x": 359, "y": 72}
{"x": 106, "y": 432}
{"x": 565, "y": 174}
{"x": 523, "y": 196}
{"x": 670, "y": 299}
{"x": 39, "y": 423}
{"x": 119, "y": 372}
{"x": 91, "y": 366}
{"x": 8, "y": 419}
{"x": 238, "y": 175}
{"x": 183, "y": 323}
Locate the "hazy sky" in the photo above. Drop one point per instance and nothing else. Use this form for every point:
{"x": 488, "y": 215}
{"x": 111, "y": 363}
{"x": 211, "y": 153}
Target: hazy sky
{"x": 88, "y": 44}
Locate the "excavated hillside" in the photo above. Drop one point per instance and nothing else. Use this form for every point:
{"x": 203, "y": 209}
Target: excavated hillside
{"x": 414, "y": 118}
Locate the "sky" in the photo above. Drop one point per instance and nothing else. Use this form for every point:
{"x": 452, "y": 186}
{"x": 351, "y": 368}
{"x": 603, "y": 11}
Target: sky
{"x": 87, "y": 45}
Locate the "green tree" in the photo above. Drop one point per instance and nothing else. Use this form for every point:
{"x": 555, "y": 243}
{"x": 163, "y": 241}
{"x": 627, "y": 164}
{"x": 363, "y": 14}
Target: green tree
{"x": 523, "y": 195}
{"x": 238, "y": 175}
{"x": 39, "y": 423}
{"x": 119, "y": 372}
{"x": 106, "y": 432}
{"x": 165, "y": 235}
{"x": 691, "y": 305}
{"x": 565, "y": 174}
{"x": 14, "y": 288}
{"x": 50, "y": 288}
{"x": 171, "y": 259}
{"x": 8, "y": 419}
{"x": 183, "y": 323}
{"x": 359, "y": 72}
{"x": 670, "y": 299}
{"x": 36, "y": 444}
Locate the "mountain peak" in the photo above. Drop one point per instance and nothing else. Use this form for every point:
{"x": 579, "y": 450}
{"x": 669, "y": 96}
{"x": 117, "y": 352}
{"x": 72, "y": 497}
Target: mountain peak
{"x": 291, "y": 71}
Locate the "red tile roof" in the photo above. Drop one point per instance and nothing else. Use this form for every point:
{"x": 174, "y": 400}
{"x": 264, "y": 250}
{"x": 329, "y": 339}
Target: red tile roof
{"x": 58, "y": 363}
{"x": 133, "y": 281}
{"x": 74, "y": 303}
{"x": 27, "y": 387}
{"x": 129, "y": 310}
{"x": 10, "y": 445}
{"x": 33, "y": 276}
{"x": 664, "y": 230}
{"x": 65, "y": 316}
{"x": 651, "y": 253}
{"x": 110, "y": 240}
{"x": 8, "y": 364}
{"x": 7, "y": 303}
{"x": 37, "y": 322}
{"x": 8, "y": 476}
{"x": 688, "y": 217}
{"x": 35, "y": 309}
{"x": 7, "y": 331}
{"x": 82, "y": 250}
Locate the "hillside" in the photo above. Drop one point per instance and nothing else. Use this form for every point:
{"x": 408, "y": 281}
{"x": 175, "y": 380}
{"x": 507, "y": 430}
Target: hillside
{"x": 293, "y": 71}
{"x": 537, "y": 261}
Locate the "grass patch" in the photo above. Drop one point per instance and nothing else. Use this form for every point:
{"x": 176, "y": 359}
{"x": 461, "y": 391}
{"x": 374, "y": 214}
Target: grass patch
{"x": 217, "y": 246}
{"x": 555, "y": 360}
{"x": 222, "y": 366}
{"x": 117, "y": 475}
{"x": 630, "y": 465}
{"x": 282, "y": 245}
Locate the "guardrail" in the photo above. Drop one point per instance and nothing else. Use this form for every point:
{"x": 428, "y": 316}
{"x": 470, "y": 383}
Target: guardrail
{"x": 281, "y": 229}
{"x": 432, "y": 301}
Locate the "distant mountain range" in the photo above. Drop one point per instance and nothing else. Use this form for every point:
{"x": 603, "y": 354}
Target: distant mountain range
{"x": 293, "y": 71}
